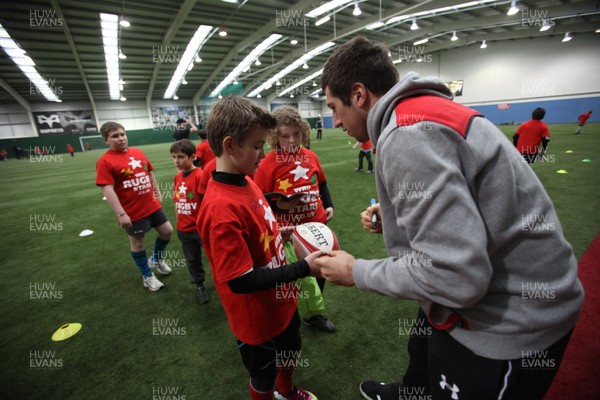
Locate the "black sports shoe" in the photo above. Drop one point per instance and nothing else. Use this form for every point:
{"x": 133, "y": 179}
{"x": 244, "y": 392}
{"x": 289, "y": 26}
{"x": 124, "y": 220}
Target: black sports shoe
{"x": 372, "y": 390}
{"x": 320, "y": 322}
{"x": 202, "y": 294}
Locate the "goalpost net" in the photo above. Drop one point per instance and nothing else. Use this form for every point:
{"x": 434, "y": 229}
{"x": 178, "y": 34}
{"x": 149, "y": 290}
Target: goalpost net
{"x": 96, "y": 142}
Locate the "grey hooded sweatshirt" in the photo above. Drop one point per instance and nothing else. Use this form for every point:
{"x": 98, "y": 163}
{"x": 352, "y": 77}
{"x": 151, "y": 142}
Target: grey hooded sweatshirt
{"x": 469, "y": 229}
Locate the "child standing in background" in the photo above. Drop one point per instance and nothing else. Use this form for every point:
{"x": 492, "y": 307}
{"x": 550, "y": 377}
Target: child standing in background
{"x": 365, "y": 151}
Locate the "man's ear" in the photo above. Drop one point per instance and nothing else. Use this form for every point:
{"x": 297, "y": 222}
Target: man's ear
{"x": 359, "y": 94}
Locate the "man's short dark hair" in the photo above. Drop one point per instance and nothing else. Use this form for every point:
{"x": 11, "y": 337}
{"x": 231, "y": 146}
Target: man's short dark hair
{"x": 181, "y": 121}
{"x": 359, "y": 60}
{"x": 538, "y": 113}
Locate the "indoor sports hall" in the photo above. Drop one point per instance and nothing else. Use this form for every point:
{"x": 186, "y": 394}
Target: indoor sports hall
{"x": 77, "y": 320}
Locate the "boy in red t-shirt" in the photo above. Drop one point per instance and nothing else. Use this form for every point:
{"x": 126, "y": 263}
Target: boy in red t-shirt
{"x": 125, "y": 176}
{"x": 365, "y": 151}
{"x": 582, "y": 120}
{"x": 530, "y": 134}
{"x": 245, "y": 250}
{"x": 203, "y": 152}
{"x": 71, "y": 150}
{"x": 290, "y": 169}
{"x": 187, "y": 204}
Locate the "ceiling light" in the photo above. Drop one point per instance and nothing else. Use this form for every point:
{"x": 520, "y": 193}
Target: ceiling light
{"x": 314, "y": 83}
{"x": 293, "y": 66}
{"x": 222, "y": 33}
{"x": 292, "y": 95}
{"x": 278, "y": 83}
{"x": 257, "y": 62}
{"x": 483, "y": 45}
{"x": 420, "y": 59}
{"x": 235, "y": 82}
{"x": 513, "y": 8}
{"x": 356, "y": 12}
{"x": 258, "y": 96}
{"x": 305, "y": 66}
{"x": 294, "y": 42}
{"x": 121, "y": 55}
{"x": 244, "y": 66}
{"x": 109, "y": 24}
{"x": 567, "y": 37}
{"x": 597, "y": 30}
{"x": 302, "y": 82}
{"x": 184, "y": 82}
{"x": 26, "y": 64}
{"x": 220, "y": 96}
{"x": 198, "y": 59}
{"x": 124, "y": 23}
{"x": 330, "y": 5}
{"x": 322, "y": 20}
{"x": 414, "y": 25}
{"x": 422, "y": 41}
{"x": 454, "y": 38}
{"x": 375, "y": 25}
{"x": 175, "y": 97}
{"x": 545, "y": 25}
{"x": 186, "y": 61}
{"x": 123, "y": 98}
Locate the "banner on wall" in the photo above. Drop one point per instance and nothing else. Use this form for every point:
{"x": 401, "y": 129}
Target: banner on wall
{"x": 166, "y": 117}
{"x": 503, "y": 106}
{"x": 65, "y": 122}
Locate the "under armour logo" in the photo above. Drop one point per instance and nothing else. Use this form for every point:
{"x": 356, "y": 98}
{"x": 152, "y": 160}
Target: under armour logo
{"x": 444, "y": 385}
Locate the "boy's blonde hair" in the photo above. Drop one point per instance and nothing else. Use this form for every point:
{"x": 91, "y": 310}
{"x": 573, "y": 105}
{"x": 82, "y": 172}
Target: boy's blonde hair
{"x": 286, "y": 115}
{"x": 108, "y": 127}
{"x": 235, "y": 117}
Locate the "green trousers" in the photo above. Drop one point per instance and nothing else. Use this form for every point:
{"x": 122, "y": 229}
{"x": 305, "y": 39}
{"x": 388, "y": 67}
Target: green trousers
{"x": 310, "y": 301}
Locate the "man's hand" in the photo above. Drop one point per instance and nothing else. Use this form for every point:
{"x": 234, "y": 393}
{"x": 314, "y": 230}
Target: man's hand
{"x": 337, "y": 267}
{"x": 311, "y": 260}
{"x": 366, "y": 219}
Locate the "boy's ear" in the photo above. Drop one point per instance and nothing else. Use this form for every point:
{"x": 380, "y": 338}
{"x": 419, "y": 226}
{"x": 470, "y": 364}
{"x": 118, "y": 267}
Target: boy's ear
{"x": 228, "y": 145}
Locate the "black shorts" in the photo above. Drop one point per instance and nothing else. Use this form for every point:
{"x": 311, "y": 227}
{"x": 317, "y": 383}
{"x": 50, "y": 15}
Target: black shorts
{"x": 141, "y": 226}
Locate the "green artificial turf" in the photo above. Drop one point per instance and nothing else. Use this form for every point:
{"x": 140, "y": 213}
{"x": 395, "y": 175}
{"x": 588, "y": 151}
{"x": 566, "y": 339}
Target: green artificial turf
{"x": 120, "y": 352}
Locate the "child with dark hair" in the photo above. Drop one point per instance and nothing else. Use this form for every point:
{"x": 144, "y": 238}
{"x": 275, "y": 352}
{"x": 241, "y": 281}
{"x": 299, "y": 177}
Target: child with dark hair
{"x": 530, "y": 134}
{"x": 187, "y": 204}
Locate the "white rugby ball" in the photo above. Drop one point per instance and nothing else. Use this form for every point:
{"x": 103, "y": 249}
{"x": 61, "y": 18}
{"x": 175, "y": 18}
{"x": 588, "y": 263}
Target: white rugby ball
{"x": 313, "y": 236}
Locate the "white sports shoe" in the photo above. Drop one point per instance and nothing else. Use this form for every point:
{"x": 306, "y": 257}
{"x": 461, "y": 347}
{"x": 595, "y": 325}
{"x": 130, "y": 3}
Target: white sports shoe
{"x": 161, "y": 266}
{"x": 152, "y": 283}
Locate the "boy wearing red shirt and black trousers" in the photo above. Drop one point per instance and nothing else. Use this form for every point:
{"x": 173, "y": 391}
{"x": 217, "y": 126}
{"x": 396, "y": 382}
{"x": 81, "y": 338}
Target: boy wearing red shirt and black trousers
{"x": 187, "y": 203}
{"x": 245, "y": 250}
{"x": 530, "y": 134}
{"x": 130, "y": 188}
{"x": 582, "y": 120}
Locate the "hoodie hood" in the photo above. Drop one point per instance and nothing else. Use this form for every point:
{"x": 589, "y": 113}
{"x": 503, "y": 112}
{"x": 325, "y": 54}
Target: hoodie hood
{"x": 410, "y": 85}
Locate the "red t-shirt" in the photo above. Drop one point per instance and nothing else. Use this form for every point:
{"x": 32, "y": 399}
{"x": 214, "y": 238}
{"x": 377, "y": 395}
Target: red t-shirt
{"x": 530, "y": 135}
{"x": 239, "y": 233}
{"x": 204, "y": 153}
{"x": 366, "y": 146}
{"x": 290, "y": 173}
{"x": 70, "y": 149}
{"x": 129, "y": 173}
{"x": 584, "y": 117}
{"x": 207, "y": 175}
{"x": 187, "y": 199}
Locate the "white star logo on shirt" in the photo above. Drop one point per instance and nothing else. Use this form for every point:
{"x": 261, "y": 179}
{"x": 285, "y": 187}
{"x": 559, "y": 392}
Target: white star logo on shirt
{"x": 135, "y": 163}
{"x": 182, "y": 189}
{"x": 299, "y": 172}
{"x": 268, "y": 214}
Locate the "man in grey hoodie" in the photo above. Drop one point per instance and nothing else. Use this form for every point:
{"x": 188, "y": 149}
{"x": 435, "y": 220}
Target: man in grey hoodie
{"x": 471, "y": 235}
